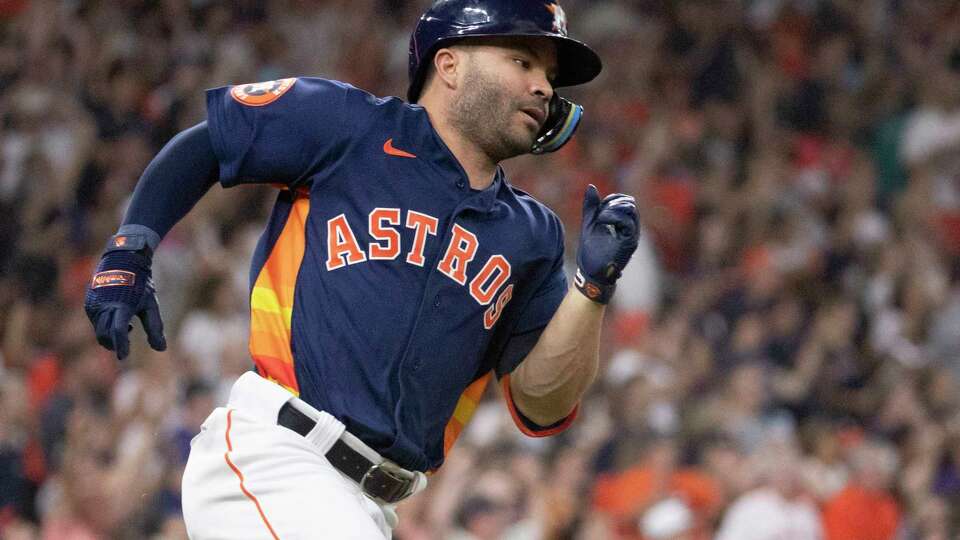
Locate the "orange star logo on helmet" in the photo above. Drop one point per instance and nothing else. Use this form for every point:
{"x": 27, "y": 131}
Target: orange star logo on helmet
{"x": 559, "y": 18}
{"x": 262, "y": 93}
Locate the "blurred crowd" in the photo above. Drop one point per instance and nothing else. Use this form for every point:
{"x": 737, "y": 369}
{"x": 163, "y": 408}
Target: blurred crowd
{"x": 783, "y": 356}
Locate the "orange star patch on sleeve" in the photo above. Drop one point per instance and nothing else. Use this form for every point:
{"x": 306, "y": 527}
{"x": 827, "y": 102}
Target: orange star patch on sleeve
{"x": 262, "y": 93}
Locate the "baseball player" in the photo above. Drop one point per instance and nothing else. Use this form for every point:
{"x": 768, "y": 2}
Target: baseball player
{"x": 398, "y": 275}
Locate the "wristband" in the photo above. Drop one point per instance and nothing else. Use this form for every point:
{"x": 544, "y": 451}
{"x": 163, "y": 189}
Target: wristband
{"x": 596, "y": 292}
{"x": 134, "y": 238}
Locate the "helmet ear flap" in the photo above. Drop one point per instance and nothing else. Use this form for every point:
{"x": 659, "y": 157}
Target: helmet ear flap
{"x": 562, "y": 121}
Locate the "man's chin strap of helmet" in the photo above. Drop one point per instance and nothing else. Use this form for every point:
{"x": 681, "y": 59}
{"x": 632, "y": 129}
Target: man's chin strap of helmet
{"x": 562, "y": 121}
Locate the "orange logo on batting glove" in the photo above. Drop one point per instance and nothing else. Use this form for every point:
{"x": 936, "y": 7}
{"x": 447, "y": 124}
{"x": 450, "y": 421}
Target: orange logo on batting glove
{"x": 113, "y": 278}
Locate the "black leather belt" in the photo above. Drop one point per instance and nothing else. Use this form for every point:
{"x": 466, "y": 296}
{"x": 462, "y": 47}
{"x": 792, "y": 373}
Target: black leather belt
{"x": 384, "y": 482}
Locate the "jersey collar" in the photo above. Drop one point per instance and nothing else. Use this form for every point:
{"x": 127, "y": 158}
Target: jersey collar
{"x": 447, "y": 165}
{"x": 485, "y": 200}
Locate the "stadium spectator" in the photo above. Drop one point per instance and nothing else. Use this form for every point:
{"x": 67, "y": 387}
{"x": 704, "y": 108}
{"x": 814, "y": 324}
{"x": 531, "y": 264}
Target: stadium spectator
{"x": 779, "y": 506}
{"x": 865, "y": 508}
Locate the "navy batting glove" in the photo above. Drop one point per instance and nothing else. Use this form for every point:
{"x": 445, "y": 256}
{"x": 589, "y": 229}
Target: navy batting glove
{"x": 121, "y": 288}
{"x": 609, "y": 234}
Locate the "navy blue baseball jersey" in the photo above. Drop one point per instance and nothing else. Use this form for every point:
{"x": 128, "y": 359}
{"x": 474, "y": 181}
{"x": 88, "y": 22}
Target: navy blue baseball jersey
{"x": 384, "y": 290}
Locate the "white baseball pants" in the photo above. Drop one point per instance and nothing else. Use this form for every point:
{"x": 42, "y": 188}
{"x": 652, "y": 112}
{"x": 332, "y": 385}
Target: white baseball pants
{"x": 249, "y": 478}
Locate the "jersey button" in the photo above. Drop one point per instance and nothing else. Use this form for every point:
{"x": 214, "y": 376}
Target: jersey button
{"x": 436, "y": 301}
{"x": 461, "y": 184}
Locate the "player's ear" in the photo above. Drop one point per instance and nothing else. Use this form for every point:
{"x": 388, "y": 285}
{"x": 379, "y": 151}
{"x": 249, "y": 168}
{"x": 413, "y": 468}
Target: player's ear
{"x": 448, "y": 67}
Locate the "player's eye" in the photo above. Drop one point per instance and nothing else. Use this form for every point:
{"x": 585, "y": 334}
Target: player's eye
{"x": 525, "y": 64}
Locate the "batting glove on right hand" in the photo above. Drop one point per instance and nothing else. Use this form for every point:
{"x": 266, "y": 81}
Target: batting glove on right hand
{"x": 609, "y": 234}
{"x": 121, "y": 288}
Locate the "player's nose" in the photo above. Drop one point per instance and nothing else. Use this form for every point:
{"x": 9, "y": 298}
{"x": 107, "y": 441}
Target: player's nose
{"x": 540, "y": 86}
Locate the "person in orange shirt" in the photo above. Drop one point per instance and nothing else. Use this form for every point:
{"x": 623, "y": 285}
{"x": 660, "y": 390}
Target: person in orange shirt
{"x": 865, "y": 509}
{"x": 623, "y": 497}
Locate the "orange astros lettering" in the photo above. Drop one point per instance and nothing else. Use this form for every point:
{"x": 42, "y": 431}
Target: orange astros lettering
{"x": 388, "y": 250}
{"x": 489, "y": 279}
{"x": 461, "y": 250}
{"x": 422, "y": 225}
{"x": 493, "y": 312}
{"x": 383, "y": 227}
{"x": 341, "y": 242}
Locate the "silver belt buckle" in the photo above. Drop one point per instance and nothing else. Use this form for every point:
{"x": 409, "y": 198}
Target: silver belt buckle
{"x": 394, "y": 472}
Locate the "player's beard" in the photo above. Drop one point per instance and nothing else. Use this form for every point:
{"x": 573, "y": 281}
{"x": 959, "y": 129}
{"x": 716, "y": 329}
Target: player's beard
{"x": 485, "y": 114}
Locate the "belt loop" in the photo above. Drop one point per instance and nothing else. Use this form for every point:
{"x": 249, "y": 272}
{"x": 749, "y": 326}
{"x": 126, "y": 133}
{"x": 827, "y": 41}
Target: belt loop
{"x": 326, "y": 432}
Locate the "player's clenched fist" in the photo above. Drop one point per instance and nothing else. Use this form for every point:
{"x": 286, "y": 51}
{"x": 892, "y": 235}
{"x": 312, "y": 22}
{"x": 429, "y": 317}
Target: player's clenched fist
{"x": 609, "y": 234}
{"x": 122, "y": 287}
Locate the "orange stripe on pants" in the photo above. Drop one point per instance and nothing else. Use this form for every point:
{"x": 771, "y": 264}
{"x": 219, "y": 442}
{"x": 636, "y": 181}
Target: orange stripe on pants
{"x": 226, "y": 457}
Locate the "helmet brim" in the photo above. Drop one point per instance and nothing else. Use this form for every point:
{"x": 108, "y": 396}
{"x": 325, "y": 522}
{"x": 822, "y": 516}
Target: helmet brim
{"x": 577, "y": 63}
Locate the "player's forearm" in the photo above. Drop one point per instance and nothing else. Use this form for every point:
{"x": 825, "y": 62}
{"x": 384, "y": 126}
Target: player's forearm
{"x": 550, "y": 381}
{"x": 179, "y": 176}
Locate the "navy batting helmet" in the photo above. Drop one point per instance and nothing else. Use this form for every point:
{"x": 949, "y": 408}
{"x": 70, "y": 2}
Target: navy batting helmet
{"x": 450, "y": 20}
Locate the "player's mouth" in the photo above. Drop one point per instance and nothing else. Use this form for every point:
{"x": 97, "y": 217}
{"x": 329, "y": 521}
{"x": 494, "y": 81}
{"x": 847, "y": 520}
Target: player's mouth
{"x": 536, "y": 113}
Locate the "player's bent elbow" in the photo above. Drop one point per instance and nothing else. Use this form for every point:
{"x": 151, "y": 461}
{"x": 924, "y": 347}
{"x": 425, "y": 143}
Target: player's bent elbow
{"x": 543, "y": 410}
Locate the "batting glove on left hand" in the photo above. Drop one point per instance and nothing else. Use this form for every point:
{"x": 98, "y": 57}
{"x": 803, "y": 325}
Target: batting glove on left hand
{"x": 121, "y": 288}
{"x": 609, "y": 234}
